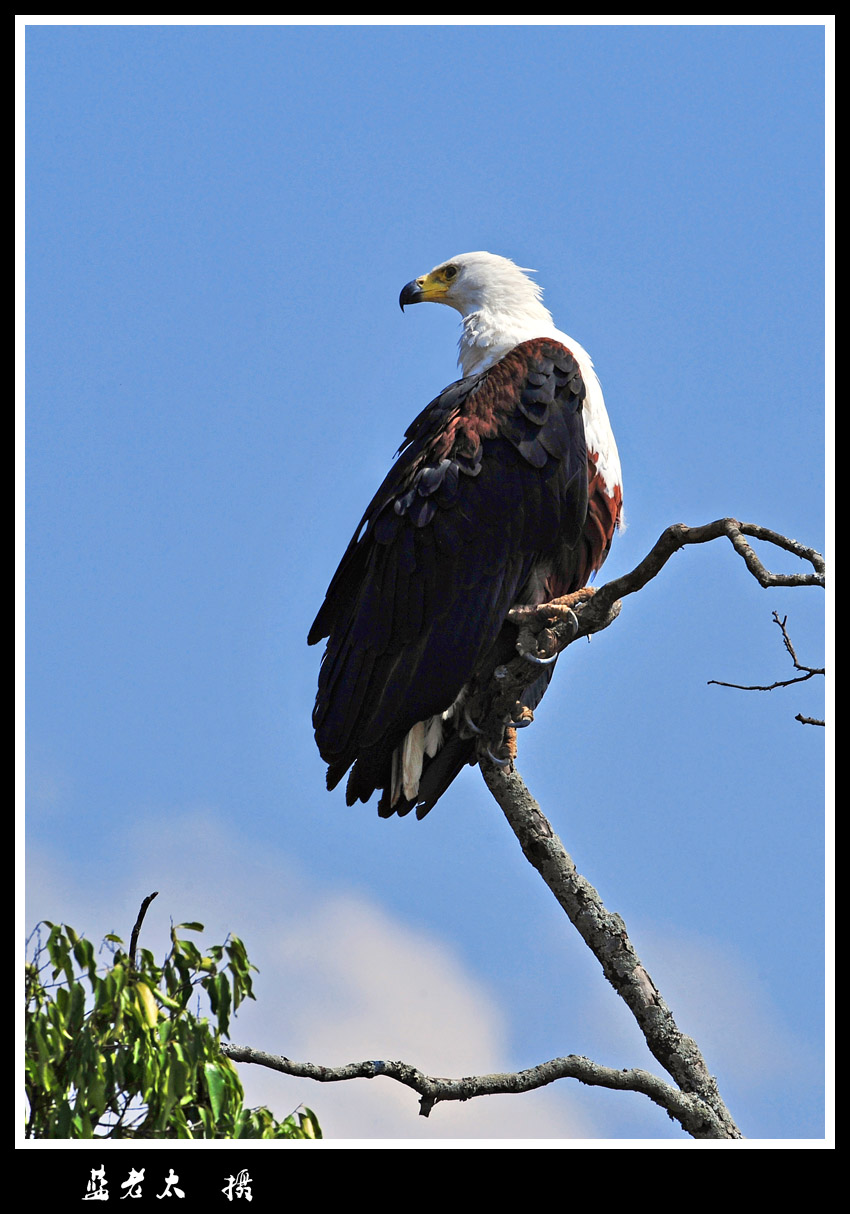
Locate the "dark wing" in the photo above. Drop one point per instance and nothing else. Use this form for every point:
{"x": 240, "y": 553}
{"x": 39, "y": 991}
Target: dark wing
{"x": 488, "y": 494}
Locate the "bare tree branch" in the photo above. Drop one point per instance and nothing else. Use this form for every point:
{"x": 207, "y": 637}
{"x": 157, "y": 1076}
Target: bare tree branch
{"x": 766, "y": 686}
{"x": 596, "y": 614}
{"x": 679, "y": 536}
{"x": 808, "y": 673}
{"x": 688, "y": 1110}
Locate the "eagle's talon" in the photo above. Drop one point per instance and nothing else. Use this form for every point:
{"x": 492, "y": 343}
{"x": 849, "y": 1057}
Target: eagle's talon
{"x": 471, "y": 723}
{"x": 570, "y": 615}
{"x": 529, "y": 657}
{"x": 498, "y": 762}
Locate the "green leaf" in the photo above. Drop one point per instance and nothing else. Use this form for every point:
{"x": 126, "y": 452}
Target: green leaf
{"x": 178, "y": 1073}
{"x": 84, "y": 953}
{"x": 147, "y": 1003}
{"x": 216, "y": 1086}
{"x": 310, "y": 1124}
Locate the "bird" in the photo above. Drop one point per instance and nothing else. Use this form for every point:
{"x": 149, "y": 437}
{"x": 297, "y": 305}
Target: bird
{"x": 505, "y": 491}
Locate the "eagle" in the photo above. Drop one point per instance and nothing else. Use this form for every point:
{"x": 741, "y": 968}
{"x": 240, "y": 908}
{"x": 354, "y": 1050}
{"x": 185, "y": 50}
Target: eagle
{"x": 506, "y": 491}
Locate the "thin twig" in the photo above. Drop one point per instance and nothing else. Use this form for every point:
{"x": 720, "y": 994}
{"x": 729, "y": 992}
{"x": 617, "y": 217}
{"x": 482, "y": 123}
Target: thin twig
{"x": 803, "y": 678}
{"x": 808, "y": 672}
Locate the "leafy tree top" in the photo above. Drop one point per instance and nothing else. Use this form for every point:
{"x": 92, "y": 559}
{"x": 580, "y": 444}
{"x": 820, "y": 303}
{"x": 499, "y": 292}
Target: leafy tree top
{"x": 125, "y": 1051}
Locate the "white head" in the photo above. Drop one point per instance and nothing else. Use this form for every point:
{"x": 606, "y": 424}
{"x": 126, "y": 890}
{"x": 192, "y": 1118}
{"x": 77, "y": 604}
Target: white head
{"x": 474, "y": 282}
{"x": 500, "y": 305}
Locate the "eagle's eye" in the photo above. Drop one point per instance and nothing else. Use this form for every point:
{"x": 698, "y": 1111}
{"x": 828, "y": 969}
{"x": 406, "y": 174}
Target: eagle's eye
{"x": 450, "y": 272}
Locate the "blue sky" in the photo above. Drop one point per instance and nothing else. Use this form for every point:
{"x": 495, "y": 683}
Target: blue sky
{"x": 219, "y": 221}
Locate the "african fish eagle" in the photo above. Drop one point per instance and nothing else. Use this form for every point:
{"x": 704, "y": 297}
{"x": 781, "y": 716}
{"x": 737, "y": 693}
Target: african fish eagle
{"x": 506, "y": 491}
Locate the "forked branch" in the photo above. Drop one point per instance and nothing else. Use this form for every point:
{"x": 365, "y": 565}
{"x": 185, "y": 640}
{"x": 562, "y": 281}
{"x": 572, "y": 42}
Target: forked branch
{"x": 806, "y": 673}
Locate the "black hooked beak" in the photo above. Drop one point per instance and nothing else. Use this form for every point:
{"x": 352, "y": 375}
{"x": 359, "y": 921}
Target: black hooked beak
{"x": 410, "y": 294}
